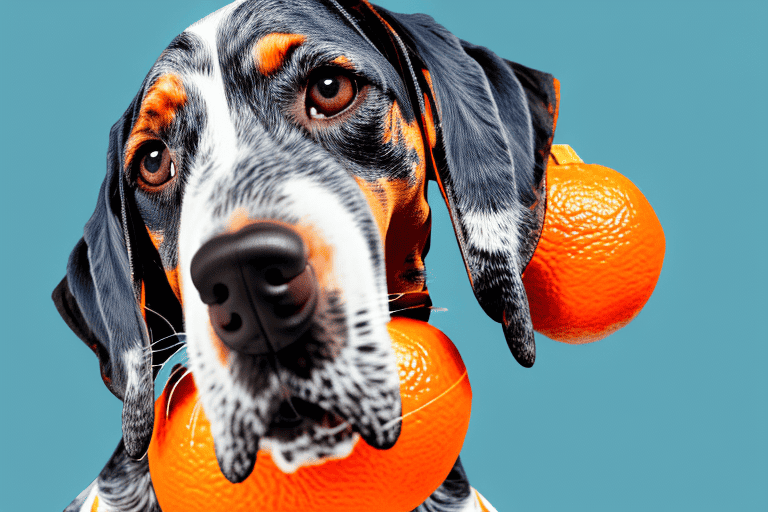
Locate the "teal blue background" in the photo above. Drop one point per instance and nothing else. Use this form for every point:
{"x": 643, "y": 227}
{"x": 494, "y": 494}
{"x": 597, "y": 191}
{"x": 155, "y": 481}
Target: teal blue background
{"x": 670, "y": 413}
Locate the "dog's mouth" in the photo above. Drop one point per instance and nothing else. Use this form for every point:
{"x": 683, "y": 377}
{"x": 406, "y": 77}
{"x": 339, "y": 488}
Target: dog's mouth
{"x": 302, "y": 433}
{"x": 259, "y": 411}
{"x": 308, "y": 370}
{"x": 295, "y": 412}
{"x": 300, "y": 416}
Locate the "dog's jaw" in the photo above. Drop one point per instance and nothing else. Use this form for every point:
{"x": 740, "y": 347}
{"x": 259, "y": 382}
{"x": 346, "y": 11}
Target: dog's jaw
{"x": 245, "y": 171}
{"x": 313, "y": 446}
{"x": 353, "y": 375}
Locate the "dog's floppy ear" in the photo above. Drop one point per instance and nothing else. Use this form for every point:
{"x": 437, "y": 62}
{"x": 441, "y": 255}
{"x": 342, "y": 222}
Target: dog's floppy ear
{"x": 104, "y": 290}
{"x": 495, "y": 129}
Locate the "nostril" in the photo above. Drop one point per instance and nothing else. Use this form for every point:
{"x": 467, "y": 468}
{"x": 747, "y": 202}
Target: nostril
{"x": 274, "y": 277}
{"x": 258, "y": 285}
{"x": 235, "y": 322}
{"x": 220, "y": 293}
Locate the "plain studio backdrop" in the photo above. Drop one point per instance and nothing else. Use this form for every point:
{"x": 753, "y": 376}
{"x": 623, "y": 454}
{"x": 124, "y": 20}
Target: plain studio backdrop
{"x": 670, "y": 413}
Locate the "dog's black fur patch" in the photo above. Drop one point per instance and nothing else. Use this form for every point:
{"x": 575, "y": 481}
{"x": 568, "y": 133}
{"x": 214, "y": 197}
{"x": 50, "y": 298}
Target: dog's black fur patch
{"x": 494, "y": 122}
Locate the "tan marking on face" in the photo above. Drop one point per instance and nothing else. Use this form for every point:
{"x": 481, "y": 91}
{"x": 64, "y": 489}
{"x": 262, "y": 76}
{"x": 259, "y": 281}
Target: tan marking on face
{"x": 270, "y": 51}
{"x": 400, "y": 206}
{"x": 402, "y": 215}
{"x": 158, "y": 110}
{"x": 238, "y": 219}
{"x": 343, "y": 62}
{"x": 320, "y": 254}
{"x": 222, "y": 352}
{"x": 378, "y": 201}
{"x": 319, "y": 257}
{"x": 397, "y": 129}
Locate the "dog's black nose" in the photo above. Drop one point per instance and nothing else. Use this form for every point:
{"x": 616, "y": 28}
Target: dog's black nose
{"x": 259, "y": 288}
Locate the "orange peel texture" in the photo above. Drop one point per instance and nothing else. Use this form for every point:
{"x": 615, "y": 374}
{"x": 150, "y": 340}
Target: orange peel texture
{"x": 436, "y": 399}
{"x": 599, "y": 256}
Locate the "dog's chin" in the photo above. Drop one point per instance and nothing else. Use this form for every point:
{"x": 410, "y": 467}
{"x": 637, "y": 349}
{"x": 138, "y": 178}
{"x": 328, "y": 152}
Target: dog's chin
{"x": 303, "y": 434}
{"x": 300, "y": 434}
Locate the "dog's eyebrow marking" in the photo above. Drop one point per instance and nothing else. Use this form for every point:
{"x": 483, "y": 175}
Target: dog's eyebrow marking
{"x": 343, "y": 62}
{"x": 158, "y": 110}
{"x": 270, "y": 51}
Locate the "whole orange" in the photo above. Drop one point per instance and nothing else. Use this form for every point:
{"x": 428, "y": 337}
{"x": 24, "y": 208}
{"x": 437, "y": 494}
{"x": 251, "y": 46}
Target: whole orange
{"x": 436, "y": 399}
{"x": 600, "y": 252}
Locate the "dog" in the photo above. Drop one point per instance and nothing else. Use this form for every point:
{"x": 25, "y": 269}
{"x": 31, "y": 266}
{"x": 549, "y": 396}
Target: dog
{"x": 265, "y": 195}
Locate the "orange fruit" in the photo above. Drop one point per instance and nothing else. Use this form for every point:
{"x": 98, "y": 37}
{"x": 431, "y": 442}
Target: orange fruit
{"x": 436, "y": 399}
{"x": 599, "y": 255}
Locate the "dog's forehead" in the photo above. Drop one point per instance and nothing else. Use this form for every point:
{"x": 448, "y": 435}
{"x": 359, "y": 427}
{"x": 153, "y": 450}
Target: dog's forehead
{"x": 227, "y": 38}
{"x": 253, "y": 19}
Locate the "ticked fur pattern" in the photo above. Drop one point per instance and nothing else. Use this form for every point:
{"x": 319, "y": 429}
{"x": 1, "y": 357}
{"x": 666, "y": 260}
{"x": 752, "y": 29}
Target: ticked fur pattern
{"x": 227, "y": 101}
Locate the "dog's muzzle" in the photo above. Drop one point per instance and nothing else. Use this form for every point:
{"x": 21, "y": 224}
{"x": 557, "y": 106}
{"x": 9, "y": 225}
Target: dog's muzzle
{"x": 260, "y": 291}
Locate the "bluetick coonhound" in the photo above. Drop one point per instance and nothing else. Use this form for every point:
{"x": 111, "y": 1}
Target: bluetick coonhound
{"x": 266, "y": 195}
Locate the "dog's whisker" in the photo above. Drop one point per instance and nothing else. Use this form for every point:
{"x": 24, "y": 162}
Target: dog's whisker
{"x": 338, "y": 428}
{"x": 418, "y": 306}
{"x": 183, "y": 361}
{"x": 175, "y": 349}
{"x": 170, "y": 347}
{"x": 170, "y": 395}
{"x": 177, "y": 334}
{"x": 284, "y": 387}
{"x": 400, "y": 418}
{"x": 285, "y": 244}
{"x": 193, "y": 421}
{"x": 162, "y": 318}
{"x": 176, "y": 370}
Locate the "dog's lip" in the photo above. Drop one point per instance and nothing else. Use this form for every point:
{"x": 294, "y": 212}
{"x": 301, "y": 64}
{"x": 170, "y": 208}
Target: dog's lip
{"x": 292, "y": 413}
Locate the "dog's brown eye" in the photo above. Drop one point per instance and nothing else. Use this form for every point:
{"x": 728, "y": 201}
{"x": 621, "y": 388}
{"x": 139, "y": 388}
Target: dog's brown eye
{"x": 329, "y": 93}
{"x": 156, "y": 166}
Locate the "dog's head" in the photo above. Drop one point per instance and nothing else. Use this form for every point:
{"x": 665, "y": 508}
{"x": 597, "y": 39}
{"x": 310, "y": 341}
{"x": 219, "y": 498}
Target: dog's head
{"x": 266, "y": 196}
